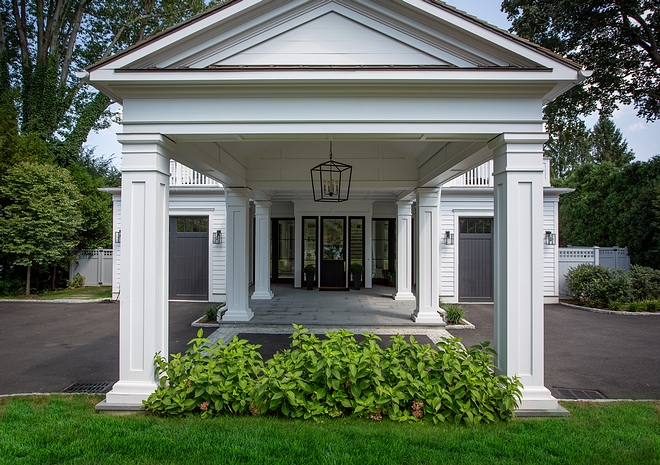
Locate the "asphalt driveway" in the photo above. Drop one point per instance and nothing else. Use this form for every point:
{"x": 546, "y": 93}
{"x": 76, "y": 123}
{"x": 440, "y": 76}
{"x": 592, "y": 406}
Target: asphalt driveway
{"x": 45, "y": 347}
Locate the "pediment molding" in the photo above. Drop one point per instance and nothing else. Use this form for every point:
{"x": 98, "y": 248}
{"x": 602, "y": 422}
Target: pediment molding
{"x": 281, "y": 32}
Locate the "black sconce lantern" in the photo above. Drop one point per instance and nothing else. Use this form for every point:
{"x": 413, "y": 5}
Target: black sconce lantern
{"x": 449, "y": 238}
{"x": 550, "y": 238}
{"x": 217, "y": 237}
{"x": 331, "y": 181}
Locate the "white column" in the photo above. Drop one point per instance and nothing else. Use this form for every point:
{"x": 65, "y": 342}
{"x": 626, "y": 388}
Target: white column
{"x": 238, "y": 206}
{"x": 404, "y": 251}
{"x": 143, "y": 310}
{"x": 518, "y": 236}
{"x": 428, "y": 241}
{"x": 262, "y": 251}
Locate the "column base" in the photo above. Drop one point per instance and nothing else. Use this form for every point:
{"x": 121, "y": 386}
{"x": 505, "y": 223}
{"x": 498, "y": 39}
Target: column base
{"x": 130, "y": 393}
{"x": 234, "y": 314}
{"x": 537, "y": 398}
{"x": 428, "y": 318}
{"x": 404, "y": 296}
{"x": 262, "y": 295}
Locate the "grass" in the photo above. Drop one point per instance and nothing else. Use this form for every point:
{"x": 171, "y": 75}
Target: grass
{"x": 84, "y": 293}
{"x": 66, "y": 429}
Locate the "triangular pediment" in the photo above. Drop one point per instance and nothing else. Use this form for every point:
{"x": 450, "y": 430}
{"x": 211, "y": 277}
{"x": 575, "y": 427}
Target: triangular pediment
{"x": 331, "y": 39}
{"x": 326, "y": 33}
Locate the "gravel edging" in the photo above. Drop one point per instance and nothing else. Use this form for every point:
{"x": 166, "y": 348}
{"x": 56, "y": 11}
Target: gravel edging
{"x": 607, "y": 312}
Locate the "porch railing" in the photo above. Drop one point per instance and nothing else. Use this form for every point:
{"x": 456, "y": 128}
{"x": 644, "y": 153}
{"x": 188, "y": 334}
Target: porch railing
{"x": 181, "y": 175}
{"x": 482, "y": 176}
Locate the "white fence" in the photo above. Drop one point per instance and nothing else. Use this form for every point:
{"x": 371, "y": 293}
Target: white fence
{"x": 95, "y": 265}
{"x": 571, "y": 257}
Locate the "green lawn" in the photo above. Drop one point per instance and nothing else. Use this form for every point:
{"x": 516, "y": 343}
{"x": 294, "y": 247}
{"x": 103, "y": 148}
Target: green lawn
{"x": 84, "y": 293}
{"x": 66, "y": 429}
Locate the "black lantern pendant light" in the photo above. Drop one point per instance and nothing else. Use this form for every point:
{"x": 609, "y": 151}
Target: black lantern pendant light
{"x": 331, "y": 181}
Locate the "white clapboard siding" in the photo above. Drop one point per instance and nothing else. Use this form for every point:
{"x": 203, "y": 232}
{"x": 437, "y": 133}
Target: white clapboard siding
{"x": 550, "y": 283}
{"x": 116, "y": 247}
{"x": 332, "y": 39}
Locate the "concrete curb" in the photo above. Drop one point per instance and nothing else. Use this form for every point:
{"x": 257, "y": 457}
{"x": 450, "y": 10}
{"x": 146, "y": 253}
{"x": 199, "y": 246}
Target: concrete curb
{"x": 607, "y": 312}
{"x": 62, "y": 301}
{"x": 466, "y": 325}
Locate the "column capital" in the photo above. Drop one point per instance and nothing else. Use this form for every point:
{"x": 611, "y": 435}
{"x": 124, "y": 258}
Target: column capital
{"x": 262, "y": 205}
{"x": 508, "y": 138}
{"x": 404, "y": 207}
{"x": 427, "y": 196}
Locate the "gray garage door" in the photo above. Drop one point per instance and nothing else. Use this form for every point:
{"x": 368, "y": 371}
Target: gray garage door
{"x": 475, "y": 260}
{"x": 189, "y": 258}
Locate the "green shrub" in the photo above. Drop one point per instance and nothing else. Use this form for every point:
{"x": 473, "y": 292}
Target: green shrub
{"x": 207, "y": 379}
{"x": 310, "y": 269}
{"x": 212, "y": 312}
{"x": 454, "y": 313}
{"x": 652, "y": 306}
{"x": 11, "y": 287}
{"x": 356, "y": 268}
{"x": 598, "y": 286}
{"x": 618, "y": 305}
{"x": 338, "y": 377}
{"x": 645, "y": 282}
{"x": 636, "y": 306}
{"x": 77, "y": 282}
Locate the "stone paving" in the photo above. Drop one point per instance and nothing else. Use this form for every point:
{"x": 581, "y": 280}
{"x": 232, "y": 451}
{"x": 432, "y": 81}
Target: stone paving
{"x": 366, "y": 307}
{"x": 367, "y": 310}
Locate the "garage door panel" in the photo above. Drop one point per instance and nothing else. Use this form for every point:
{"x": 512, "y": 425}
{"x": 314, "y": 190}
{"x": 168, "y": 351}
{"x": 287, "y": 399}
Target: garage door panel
{"x": 189, "y": 257}
{"x": 475, "y": 261}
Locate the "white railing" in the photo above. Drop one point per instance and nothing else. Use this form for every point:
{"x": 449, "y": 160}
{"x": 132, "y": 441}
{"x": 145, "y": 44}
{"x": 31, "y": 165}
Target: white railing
{"x": 482, "y": 176}
{"x": 181, "y": 175}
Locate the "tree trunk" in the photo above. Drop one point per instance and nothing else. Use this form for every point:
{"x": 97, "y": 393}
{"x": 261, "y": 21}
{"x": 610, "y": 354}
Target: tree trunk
{"x": 27, "y": 281}
{"x": 52, "y": 283}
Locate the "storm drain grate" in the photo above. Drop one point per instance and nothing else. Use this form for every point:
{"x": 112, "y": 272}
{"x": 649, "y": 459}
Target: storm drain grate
{"x": 566, "y": 393}
{"x": 90, "y": 388}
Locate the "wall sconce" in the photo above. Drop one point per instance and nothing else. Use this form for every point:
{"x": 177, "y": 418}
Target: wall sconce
{"x": 217, "y": 237}
{"x": 118, "y": 236}
{"x": 449, "y": 238}
{"x": 550, "y": 238}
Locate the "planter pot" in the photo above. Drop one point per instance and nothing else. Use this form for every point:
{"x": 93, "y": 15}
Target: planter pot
{"x": 309, "y": 280}
{"x": 357, "y": 281}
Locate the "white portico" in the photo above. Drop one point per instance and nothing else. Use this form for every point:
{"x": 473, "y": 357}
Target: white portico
{"x": 411, "y": 93}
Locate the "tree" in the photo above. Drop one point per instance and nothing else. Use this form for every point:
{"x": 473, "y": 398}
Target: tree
{"x": 618, "y": 39}
{"x": 40, "y": 222}
{"x": 568, "y": 148}
{"x": 608, "y": 144}
{"x": 42, "y": 43}
{"x": 614, "y": 206}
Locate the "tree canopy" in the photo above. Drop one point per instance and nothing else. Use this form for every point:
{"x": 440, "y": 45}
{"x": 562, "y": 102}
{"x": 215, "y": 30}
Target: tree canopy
{"x": 40, "y": 222}
{"x": 617, "y": 39}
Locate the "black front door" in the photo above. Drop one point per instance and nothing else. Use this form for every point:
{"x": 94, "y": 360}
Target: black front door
{"x": 333, "y": 253}
{"x": 189, "y": 258}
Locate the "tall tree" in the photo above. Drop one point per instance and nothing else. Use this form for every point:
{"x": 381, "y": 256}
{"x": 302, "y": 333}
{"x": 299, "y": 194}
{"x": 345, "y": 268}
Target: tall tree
{"x": 618, "y": 39}
{"x": 568, "y": 147}
{"x": 608, "y": 144}
{"x": 42, "y": 42}
{"x": 40, "y": 223}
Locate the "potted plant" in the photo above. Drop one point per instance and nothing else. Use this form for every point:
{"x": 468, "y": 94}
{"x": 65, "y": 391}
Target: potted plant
{"x": 310, "y": 274}
{"x": 391, "y": 278}
{"x": 356, "y": 270}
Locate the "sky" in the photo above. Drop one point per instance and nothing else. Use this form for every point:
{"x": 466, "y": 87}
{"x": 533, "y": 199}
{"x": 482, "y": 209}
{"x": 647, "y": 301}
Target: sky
{"x": 642, "y": 137}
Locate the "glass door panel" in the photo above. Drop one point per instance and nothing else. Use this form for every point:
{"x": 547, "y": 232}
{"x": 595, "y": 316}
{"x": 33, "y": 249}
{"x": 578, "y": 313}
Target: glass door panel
{"x": 383, "y": 247}
{"x": 356, "y": 243}
{"x": 282, "y": 249}
{"x": 309, "y": 243}
{"x": 333, "y": 261}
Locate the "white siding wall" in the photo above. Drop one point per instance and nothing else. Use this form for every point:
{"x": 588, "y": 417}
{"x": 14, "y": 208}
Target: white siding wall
{"x": 116, "y": 247}
{"x": 459, "y": 202}
{"x": 211, "y": 205}
{"x": 550, "y": 252}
